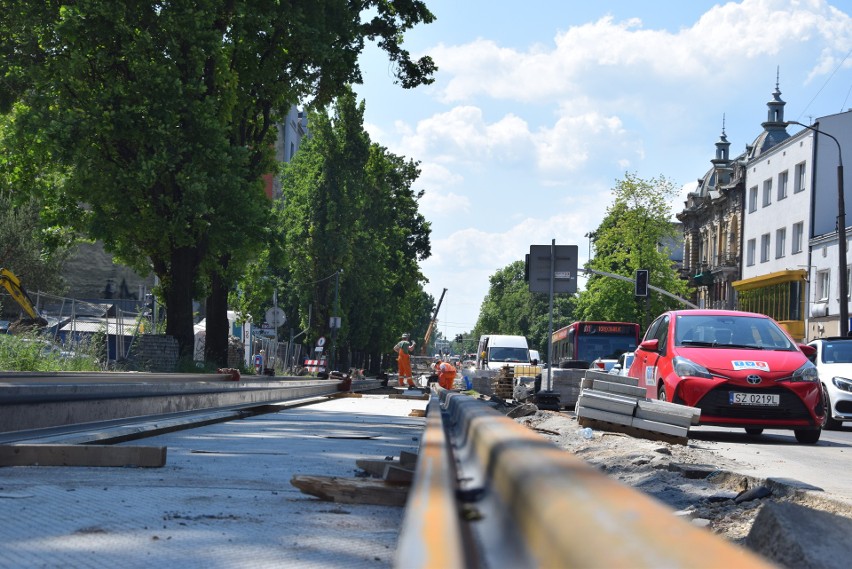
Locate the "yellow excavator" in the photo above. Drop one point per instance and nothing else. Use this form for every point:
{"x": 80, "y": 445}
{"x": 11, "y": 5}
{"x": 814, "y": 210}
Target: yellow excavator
{"x": 13, "y": 284}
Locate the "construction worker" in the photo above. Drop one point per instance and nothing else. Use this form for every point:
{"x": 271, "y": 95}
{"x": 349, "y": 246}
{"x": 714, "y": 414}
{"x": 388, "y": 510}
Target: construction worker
{"x": 446, "y": 374}
{"x": 403, "y": 360}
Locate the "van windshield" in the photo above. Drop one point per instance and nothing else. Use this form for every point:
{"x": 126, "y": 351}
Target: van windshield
{"x": 509, "y": 355}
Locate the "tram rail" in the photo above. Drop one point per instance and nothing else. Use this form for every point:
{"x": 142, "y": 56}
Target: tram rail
{"x": 489, "y": 492}
{"x": 34, "y": 405}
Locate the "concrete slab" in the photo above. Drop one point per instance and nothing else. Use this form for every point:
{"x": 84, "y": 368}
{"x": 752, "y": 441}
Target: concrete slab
{"x": 224, "y": 498}
{"x": 796, "y": 536}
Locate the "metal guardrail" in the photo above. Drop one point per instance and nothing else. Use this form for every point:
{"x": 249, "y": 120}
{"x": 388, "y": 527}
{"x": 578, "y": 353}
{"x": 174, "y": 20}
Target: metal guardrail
{"x": 517, "y": 500}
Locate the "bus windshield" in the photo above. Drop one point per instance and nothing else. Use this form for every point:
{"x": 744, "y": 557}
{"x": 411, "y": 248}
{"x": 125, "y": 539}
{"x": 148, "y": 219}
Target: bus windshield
{"x": 605, "y": 346}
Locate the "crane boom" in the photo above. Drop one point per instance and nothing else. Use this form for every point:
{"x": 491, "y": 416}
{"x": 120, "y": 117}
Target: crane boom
{"x": 431, "y": 325}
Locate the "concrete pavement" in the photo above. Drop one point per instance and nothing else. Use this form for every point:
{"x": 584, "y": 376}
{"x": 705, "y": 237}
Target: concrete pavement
{"x": 223, "y": 500}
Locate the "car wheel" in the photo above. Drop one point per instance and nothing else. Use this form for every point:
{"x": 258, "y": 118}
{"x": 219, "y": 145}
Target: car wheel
{"x": 807, "y": 437}
{"x": 661, "y": 392}
{"x": 753, "y": 431}
{"x": 830, "y": 424}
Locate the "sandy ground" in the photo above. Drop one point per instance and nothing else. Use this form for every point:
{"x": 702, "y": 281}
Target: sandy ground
{"x": 697, "y": 483}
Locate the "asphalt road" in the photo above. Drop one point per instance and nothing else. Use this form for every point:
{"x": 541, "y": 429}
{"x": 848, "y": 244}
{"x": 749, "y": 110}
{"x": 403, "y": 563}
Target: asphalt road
{"x": 776, "y": 454}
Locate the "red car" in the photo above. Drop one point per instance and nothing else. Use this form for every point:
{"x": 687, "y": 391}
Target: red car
{"x": 741, "y": 369}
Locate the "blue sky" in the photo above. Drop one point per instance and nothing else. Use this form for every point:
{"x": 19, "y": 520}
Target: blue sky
{"x": 539, "y": 107}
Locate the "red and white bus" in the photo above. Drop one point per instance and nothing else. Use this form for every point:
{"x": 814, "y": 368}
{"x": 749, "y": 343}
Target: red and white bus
{"x": 580, "y": 343}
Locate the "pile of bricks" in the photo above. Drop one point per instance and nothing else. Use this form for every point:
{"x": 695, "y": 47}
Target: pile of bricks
{"x": 617, "y": 403}
{"x": 503, "y": 384}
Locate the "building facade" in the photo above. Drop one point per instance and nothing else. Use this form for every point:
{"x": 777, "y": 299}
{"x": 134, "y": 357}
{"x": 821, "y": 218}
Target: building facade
{"x": 824, "y": 261}
{"x": 777, "y": 223}
{"x": 712, "y": 224}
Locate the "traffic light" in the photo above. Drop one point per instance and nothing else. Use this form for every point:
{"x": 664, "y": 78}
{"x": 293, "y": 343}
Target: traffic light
{"x": 641, "y": 282}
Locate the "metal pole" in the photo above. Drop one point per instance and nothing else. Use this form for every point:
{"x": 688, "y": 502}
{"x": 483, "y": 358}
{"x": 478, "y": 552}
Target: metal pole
{"x": 550, "y": 311}
{"x": 332, "y": 363}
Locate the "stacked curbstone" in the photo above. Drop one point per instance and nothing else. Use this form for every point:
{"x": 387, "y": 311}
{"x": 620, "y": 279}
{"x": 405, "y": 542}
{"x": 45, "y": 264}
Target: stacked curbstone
{"x": 615, "y": 402}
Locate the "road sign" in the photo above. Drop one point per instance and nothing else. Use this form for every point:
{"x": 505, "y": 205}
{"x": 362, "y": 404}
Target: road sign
{"x": 564, "y": 268}
{"x": 321, "y": 341}
{"x": 275, "y": 317}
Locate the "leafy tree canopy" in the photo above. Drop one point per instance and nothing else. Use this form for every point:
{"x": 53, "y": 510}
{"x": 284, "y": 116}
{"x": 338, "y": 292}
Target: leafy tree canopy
{"x": 636, "y": 233}
{"x": 162, "y": 114}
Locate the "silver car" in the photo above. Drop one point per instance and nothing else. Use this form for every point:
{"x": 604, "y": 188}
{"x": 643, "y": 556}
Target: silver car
{"x": 833, "y": 359}
{"x": 622, "y": 365}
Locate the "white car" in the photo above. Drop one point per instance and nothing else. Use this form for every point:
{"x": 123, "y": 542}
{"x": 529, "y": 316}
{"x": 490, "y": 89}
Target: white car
{"x": 622, "y": 366}
{"x": 833, "y": 360}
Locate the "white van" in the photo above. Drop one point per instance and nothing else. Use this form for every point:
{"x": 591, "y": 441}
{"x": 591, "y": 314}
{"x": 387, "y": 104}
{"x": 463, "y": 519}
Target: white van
{"x": 496, "y": 351}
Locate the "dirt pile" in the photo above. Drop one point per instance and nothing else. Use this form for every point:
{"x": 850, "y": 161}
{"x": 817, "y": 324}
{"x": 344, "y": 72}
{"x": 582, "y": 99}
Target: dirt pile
{"x": 697, "y": 483}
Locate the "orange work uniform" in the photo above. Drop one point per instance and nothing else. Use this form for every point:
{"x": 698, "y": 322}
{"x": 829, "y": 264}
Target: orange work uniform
{"x": 446, "y": 374}
{"x": 403, "y": 362}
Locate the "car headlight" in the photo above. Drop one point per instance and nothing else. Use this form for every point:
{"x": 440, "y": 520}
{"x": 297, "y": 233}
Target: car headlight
{"x": 688, "y": 368}
{"x": 842, "y": 383}
{"x": 807, "y": 372}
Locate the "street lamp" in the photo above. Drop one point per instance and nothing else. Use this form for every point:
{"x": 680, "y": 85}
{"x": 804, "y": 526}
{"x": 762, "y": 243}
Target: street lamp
{"x": 335, "y": 323}
{"x": 841, "y": 233}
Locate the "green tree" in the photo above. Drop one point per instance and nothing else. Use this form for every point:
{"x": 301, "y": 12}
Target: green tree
{"x": 510, "y": 308}
{"x": 630, "y": 237}
{"x": 164, "y": 114}
{"x": 348, "y": 204}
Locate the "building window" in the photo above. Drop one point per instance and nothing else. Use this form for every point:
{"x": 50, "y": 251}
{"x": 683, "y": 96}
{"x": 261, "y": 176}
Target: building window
{"x": 822, "y": 286}
{"x": 848, "y": 280}
{"x": 767, "y": 192}
{"x": 782, "y": 185}
{"x": 799, "y": 182}
{"x": 752, "y": 199}
{"x": 798, "y": 234}
{"x": 780, "y": 242}
{"x": 750, "y": 246}
{"x": 764, "y": 248}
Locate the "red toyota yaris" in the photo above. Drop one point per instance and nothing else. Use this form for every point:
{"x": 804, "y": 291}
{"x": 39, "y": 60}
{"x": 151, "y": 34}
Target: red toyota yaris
{"x": 740, "y": 368}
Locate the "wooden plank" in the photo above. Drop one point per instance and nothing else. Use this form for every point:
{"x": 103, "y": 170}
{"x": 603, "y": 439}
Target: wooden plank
{"x": 665, "y": 428}
{"x": 352, "y": 490}
{"x": 665, "y": 412}
{"x": 632, "y": 431}
{"x": 82, "y": 455}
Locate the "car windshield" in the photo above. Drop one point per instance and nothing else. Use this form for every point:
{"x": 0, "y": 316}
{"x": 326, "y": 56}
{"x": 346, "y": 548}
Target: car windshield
{"x": 839, "y": 352}
{"x": 500, "y": 354}
{"x": 730, "y": 331}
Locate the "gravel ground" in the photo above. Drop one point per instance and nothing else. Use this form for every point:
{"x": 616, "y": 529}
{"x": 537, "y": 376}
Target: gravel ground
{"x": 697, "y": 483}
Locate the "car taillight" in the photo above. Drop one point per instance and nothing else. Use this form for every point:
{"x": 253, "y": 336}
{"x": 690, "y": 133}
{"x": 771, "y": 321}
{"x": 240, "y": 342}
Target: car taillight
{"x": 600, "y": 365}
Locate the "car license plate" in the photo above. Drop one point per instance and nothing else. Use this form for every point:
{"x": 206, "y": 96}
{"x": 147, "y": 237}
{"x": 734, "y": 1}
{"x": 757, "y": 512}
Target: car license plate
{"x": 768, "y": 399}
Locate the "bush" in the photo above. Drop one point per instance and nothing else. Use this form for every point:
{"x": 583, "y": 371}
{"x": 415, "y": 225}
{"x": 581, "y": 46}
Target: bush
{"x": 32, "y": 352}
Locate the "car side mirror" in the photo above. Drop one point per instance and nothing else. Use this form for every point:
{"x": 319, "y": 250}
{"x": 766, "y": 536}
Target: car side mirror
{"x": 652, "y": 345}
{"x": 809, "y": 351}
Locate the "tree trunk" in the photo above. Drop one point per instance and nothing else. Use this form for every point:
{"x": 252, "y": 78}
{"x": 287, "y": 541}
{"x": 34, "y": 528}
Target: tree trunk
{"x": 179, "y": 286}
{"x": 216, "y": 343}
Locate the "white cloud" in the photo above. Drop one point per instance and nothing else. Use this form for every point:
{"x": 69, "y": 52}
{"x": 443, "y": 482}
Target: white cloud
{"x": 606, "y": 52}
{"x": 462, "y": 135}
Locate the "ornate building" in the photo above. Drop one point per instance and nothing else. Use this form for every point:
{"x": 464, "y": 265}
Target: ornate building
{"x": 712, "y": 225}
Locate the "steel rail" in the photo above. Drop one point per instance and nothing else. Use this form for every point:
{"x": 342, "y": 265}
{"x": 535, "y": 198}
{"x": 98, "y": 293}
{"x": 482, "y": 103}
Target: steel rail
{"x": 40, "y": 402}
{"x": 527, "y": 503}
